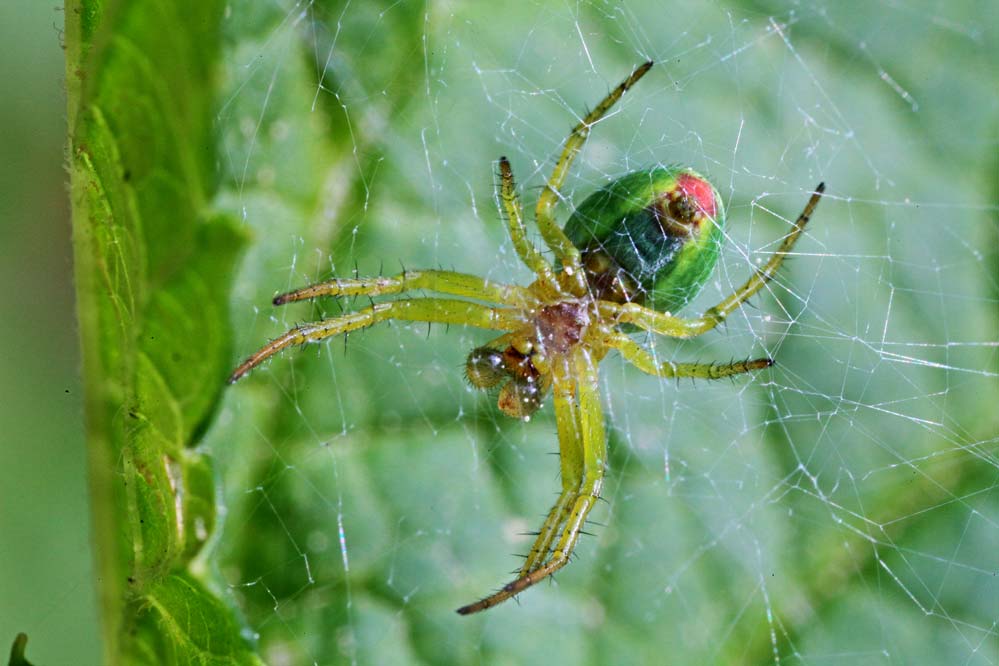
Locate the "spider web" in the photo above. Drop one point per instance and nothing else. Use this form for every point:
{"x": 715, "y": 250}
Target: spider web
{"x": 840, "y": 508}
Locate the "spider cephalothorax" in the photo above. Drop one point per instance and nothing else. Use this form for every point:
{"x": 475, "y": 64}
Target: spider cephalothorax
{"x": 630, "y": 256}
{"x": 551, "y": 331}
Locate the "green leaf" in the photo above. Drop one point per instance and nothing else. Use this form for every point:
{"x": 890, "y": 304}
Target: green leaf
{"x": 154, "y": 265}
{"x": 180, "y": 621}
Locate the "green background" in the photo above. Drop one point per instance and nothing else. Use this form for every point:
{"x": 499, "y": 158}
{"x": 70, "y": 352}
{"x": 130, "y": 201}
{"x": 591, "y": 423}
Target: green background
{"x": 47, "y": 586}
{"x": 844, "y": 503}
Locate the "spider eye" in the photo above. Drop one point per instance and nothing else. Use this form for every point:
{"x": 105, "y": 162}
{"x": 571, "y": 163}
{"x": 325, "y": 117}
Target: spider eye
{"x": 484, "y": 368}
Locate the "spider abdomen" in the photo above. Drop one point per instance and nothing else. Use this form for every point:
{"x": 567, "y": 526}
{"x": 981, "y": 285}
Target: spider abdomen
{"x": 650, "y": 237}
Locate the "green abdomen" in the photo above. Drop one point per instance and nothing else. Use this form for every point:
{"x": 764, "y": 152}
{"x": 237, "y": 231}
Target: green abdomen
{"x": 651, "y": 237}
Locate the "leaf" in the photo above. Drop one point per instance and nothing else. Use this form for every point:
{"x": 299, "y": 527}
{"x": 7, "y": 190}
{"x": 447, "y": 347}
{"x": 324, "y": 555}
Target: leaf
{"x": 182, "y": 622}
{"x": 154, "y": 264}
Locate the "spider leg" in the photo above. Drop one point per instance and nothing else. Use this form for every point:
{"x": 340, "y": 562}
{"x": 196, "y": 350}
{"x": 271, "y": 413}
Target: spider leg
{"x": 571, "y": 460}
{"x": 445, "y": 282}
{"x": 565, "y": 251}
{"x": 436, "y": 310}
{"x": 589, "y": 427}
{"x": 718, "y": 313}
{"x": 553, "y": 523}
{"x": 664, "y": 323}
{"x": 645, "y": 362}
{"x": 518, "y": 232}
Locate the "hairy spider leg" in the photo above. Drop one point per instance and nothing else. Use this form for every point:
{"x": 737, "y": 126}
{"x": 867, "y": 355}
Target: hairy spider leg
{"x": 565, "y": 251}
{"x": 588, "y": 430}
{"x": 644, "y": 361}
{"x": 445, "y": 282}
{"x": 664, "y": 323}
{"x": 526, "y": 250}
{"x": 571, "y": 462}
{"x": 435, "y": 310}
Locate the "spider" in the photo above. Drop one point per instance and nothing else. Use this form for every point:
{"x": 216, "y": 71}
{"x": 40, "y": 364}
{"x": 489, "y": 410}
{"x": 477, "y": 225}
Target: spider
{"x": 629, "y": 257}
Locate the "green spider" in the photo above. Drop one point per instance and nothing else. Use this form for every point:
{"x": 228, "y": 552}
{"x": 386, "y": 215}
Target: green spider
{"x": 630, "y": 256}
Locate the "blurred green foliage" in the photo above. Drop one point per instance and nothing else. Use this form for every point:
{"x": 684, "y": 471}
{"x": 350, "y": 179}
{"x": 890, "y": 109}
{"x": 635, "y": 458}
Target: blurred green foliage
{"x": 47, "y": 587}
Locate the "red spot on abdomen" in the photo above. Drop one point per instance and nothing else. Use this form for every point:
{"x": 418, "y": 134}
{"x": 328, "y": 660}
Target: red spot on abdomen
{"x": 700, "y": 191}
